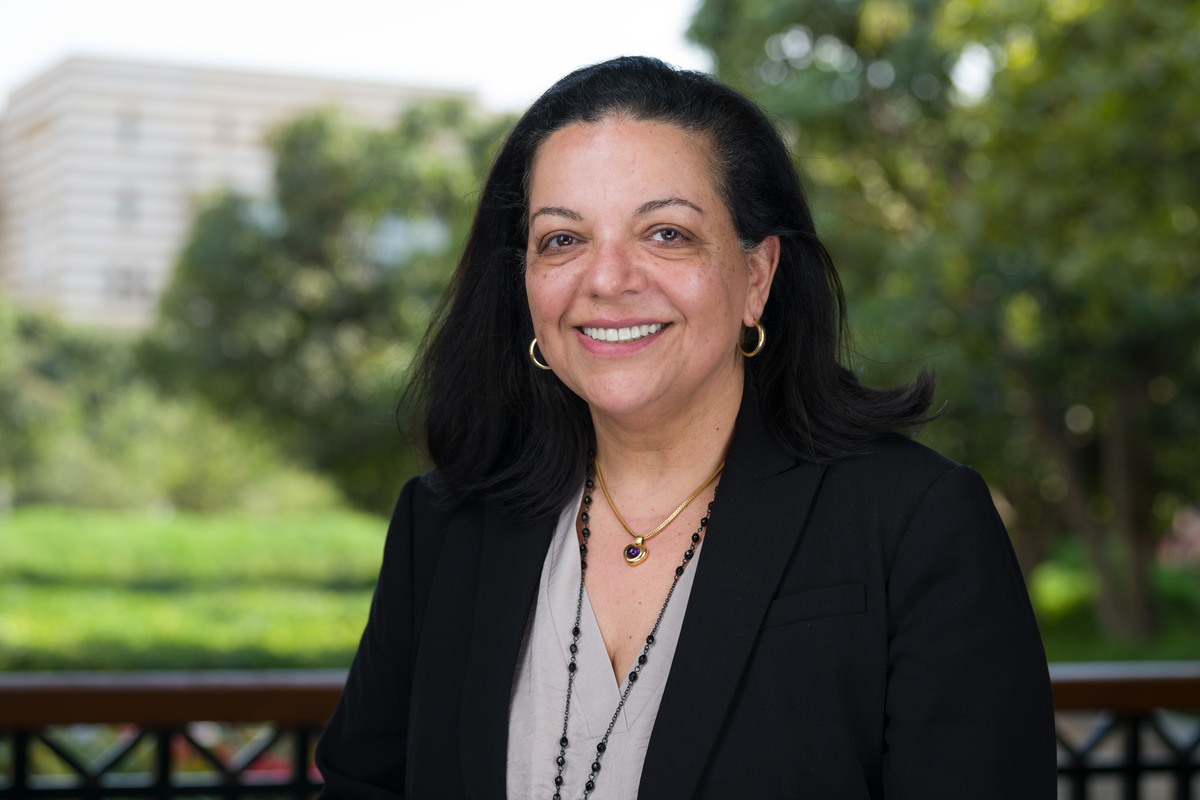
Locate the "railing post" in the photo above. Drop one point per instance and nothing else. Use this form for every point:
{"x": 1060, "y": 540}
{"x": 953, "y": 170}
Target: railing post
{"x": 301, "y": 739}
{"x": 20, "y": 758}
{"x": 1079, "y": 781}
{"x": 162, "y": 764}
{"x": 1133, "y": 756}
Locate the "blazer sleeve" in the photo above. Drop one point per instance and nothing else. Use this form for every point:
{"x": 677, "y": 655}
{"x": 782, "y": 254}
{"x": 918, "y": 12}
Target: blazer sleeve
{"x": 362, "y": 752}
{"x": 969, "y": 710}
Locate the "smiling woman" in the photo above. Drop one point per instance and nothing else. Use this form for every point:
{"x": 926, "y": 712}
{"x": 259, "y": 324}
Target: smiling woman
{"x": 775, "y": 591}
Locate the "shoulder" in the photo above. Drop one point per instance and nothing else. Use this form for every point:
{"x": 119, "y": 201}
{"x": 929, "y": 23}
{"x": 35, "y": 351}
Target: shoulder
{"x": 422, "y": 499}
{"x": 422, "y": 517}
{"x": 898, "y": 483}
{"x": 895, "y": 466}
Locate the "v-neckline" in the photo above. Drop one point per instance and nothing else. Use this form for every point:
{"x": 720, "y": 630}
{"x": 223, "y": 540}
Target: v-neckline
{"x": 597, "y": 692}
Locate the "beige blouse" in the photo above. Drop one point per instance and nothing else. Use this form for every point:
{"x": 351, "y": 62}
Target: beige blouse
{"x": 535, "y": 715}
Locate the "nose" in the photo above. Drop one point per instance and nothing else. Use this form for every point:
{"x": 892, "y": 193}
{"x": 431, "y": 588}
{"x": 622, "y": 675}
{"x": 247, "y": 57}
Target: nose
{"x": 613, "y": 270}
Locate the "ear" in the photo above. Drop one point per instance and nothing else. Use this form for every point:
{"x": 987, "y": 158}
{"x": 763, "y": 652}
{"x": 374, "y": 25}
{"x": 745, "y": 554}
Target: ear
{"x": 762, "y": 261}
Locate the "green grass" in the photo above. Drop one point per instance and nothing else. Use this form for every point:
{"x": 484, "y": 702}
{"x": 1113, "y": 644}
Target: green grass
{"x": 123, "y": 590}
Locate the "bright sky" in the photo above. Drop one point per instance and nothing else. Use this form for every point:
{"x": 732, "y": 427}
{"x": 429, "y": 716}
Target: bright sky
{"x": 507, "y": 50}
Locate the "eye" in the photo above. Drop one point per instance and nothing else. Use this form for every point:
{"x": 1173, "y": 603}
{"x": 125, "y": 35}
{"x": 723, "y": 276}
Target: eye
{"x": 668, "y": 235}
{"x": 558, "y": 241}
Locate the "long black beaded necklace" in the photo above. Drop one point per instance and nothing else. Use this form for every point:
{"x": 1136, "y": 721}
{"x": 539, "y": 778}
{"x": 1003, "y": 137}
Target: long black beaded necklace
{"x": 561, "y": 760}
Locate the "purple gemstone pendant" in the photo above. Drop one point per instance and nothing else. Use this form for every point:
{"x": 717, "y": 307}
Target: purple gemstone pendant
{"x": 636, "y": 553}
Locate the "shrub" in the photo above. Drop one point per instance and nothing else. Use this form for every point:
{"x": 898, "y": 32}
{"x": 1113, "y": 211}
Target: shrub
{"x": 81, "y": 427}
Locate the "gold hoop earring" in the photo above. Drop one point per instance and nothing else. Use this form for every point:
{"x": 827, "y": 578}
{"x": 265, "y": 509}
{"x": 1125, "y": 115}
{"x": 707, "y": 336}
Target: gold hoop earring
{"x": 762, "y": 339}
{"x": 533, "y": 356}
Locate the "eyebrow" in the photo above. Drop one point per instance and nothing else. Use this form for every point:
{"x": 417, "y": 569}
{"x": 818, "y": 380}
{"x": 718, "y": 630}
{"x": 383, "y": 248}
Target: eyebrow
{"x": 654, "y": 205}
{"x": 644, "y": 208}
{"x": 556, "y": 211}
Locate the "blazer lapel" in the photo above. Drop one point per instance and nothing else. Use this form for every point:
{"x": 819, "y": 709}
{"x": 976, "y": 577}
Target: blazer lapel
{"x": 511, "y": 557}
{"x": 763, "y": 502}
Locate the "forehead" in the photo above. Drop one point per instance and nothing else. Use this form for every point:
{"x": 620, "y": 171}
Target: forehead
{"x": 617, "y": 157}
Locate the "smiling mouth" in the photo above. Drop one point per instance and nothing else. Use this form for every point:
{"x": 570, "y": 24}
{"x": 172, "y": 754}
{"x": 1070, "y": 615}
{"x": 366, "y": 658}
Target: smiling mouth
{"x": 630, "y": 334}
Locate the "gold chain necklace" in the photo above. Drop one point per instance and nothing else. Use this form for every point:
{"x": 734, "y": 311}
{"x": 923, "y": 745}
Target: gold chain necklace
{"x": 636, "y": 553}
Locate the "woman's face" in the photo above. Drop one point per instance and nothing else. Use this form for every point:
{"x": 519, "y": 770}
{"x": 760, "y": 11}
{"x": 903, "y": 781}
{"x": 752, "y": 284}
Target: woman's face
{"x": 637, "y": 285}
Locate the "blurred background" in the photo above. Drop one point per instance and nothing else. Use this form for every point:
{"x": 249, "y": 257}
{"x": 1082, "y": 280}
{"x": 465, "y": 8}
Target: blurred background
{"x": 223, "y": 227}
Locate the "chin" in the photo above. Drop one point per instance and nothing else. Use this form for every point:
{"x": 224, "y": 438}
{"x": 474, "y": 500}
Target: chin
{"x": 621, "y": 399}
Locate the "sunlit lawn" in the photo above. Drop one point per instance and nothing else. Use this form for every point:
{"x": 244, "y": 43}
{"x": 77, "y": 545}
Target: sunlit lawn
{"x": 130, "y": 590}
{"x": 124, "y": 590}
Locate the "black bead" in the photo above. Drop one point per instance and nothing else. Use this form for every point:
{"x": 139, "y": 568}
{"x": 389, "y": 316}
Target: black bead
{"x": 591, "y": 453}
{"x": 589, "y": 483}
{"x": 587, "y": 500}
{"x": 590, "y": 785}
{"x": 678, "y": 571}
{"x": 574, "y": 648}
{"x": 560, "y": 761}
{"x": 587, "y": 532}
{"x": 650, "y": 639}
{"x": 632, "y": 677}
{"x": 600, "y": 748}
{"x": 575, "y": 631}
{"x": 704, "y": 522}
{"x": 583, "y": 548}
{"x": 558, "y": 781}
{"x": 583, "y": 565}
{"x": 557, "y": 796}
{"x": 562, "y": 742}
{"x": 595, "y": 766}
{"x": 642, "y": 658}
{"x": 688, "y": 555}
{"x": 695, "y": 538}
{"x": 584, "y": 516}
{"x": 571, "y": 667}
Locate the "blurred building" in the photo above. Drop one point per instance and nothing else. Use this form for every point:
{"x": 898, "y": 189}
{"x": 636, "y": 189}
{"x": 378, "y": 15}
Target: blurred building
{"x": 101, "y": 163}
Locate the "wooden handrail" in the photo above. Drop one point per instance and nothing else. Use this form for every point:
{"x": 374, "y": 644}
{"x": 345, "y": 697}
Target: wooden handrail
{"x": 293, "y": 697}
{"x": 1128, "y": 687}
{"x": 36, "y": 699}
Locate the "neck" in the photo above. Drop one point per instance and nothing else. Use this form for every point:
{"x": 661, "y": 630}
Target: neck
{"x": 649, "y": 456}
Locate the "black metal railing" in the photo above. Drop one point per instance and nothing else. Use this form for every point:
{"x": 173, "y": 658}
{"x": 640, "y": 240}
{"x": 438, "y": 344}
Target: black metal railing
{"x": 1125, "y": 732}
{"x": 1128, "y": 731}
{"x": 163, "y": 735}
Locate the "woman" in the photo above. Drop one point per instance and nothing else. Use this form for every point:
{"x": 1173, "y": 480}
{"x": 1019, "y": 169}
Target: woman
{"x": 671, "y": 547}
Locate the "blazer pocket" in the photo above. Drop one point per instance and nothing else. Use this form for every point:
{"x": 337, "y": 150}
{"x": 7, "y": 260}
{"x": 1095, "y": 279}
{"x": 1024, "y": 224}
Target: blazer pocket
{"x": 828, "y": 601}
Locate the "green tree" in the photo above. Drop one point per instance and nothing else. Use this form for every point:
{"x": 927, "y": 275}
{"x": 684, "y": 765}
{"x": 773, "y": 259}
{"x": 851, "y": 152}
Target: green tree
{"x": 301, "y": 310}
{"x": 1010, "y": 188}
{"x": 80, "y": 426}
{"x": 52, "y": 383}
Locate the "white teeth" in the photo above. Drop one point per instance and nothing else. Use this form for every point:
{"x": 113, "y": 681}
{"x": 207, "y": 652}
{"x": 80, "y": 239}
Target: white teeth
{"x": 630, "y": 334}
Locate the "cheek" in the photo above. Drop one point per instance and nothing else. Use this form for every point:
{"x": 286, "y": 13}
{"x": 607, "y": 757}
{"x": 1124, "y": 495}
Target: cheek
{"x": 719, "y": 293}
{"x": 735, "y": 282}
{"x": 543, "y": 296}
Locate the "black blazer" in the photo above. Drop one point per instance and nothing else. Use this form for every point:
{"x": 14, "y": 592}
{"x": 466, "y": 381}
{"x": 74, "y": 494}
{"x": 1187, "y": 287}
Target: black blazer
{"x": 857, "y": 630}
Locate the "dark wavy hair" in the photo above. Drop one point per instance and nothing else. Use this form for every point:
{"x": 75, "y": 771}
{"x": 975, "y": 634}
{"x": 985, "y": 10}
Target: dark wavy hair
{"x": 497, "y": 427}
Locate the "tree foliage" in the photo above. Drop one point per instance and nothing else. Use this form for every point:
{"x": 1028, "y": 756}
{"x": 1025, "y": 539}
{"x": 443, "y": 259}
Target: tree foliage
{"x": 80, "y": 426}
{"x": 302, "y": 310}
{"x": 1010, "y": 189}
